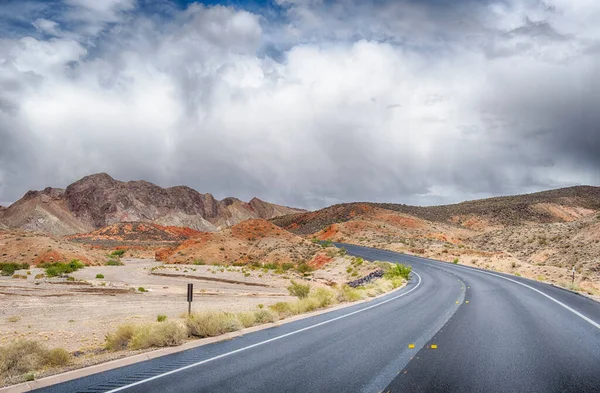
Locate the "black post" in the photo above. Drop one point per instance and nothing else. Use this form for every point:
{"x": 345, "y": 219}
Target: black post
{"x": 190, "y": 297}
{"x": 573, "y": 281}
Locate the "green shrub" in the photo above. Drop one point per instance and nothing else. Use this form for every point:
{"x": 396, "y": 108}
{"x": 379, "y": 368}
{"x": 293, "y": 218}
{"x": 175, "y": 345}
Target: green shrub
{"x": 199, "y": 262}
{"x": 161, "y": 318}
{"x": 99, "y": 276}
{"x": 112, "y": 262}
{"x": 69, "y": 278}
{"x": 455, "y": 261}
{"x": 8, "y": 268}
{"x": 142, "y": 289}
{"x": 299, "y": 290}
{"x": 60, "y": 268}
{"x": 304, "y": 268}
{"x": 118, "y": 253}
{"x": 398, "y": 270}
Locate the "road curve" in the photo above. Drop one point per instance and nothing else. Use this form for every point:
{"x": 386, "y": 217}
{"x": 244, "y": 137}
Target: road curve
{"x": 494, "y": 333}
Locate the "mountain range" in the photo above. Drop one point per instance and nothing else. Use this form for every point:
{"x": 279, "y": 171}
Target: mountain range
{"x": 98, "y": 200}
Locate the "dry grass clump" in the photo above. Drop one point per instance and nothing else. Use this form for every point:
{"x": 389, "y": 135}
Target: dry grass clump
{"x": 26, "y": 357}
{"x": 247, "y": 318}
{"x": 156, "y": 334}
{"x": 212, "y": 323}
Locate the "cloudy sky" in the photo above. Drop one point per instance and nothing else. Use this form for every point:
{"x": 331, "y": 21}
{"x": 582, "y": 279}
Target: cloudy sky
{"x": 302, "y": 102}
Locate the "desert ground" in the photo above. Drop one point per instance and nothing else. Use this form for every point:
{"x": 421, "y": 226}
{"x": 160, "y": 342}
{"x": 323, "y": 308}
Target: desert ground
{"x": 77, "y": 315}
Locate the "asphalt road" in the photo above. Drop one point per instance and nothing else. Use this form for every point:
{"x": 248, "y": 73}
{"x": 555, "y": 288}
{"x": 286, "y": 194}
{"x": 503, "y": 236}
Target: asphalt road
{"x": 494, "y": 333}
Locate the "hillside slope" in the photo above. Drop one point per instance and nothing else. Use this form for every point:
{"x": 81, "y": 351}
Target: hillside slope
{"x": 541, "y": 235}
{"x": 561, "y": 205}
{"x": 99, "y": 200}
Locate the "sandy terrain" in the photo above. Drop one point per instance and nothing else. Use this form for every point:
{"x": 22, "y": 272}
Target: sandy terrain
{"x": 77, "y": 315}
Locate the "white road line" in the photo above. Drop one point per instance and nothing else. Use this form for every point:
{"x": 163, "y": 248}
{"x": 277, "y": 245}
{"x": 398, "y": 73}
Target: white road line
{"x": 266, "y": 341}
{"x": 580, "y": 315}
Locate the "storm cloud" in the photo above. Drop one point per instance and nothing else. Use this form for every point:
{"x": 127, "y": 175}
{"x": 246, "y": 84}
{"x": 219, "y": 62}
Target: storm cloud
{"x": 303, "y": 102}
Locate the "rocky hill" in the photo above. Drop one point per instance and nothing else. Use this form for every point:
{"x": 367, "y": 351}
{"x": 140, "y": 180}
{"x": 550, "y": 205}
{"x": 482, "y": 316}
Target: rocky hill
{"x": 250, "y": 241}
{"x": 99, "y": 200}
{"x": 561, "y": 205}
{"x": 541, "y": 235}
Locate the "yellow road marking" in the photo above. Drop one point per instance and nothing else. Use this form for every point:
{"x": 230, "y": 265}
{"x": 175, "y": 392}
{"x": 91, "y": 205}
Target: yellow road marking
{"x": 433, "y": 346}
{"x": 411, "y": 346}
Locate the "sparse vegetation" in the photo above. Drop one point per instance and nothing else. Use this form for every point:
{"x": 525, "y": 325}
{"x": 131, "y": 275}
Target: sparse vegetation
{"x": 25, "y": 357}
{"x": 8, "y": 268}
{"x": 156, "y": 334}
{"x": 60, "y": 268}
{"x": 142, "y": 289}
{"x": 301, "y": 291}
{"x": 161, "y": 318}
{"x": 112, "y": 262}
{"x": 117, "y": 253}
{"x": 212, "y": 323}
{"x": 455, "y": 261}
{"x": 398, "y": 270}
{"x": 99, "y": 276}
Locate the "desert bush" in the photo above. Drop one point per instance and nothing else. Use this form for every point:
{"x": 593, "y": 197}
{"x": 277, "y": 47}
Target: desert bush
{"x": 14, "y": 318}
{"x": 161, "y": 318}
{"x": 25, "y": 356}
{"x": 112, "y": 262}
{"x": 165, "y": 334}
{"x": 60, "y": 268}
{"x": 281, "y": 308}
{"x": 120, "y": 339}
{"x": 324, "y": 297}
{"x": 301, "y": 291}
{"x": 398, "y": 270}
{"x": 265, "y": 316}
{"x": 349, "y": 294}
{"x": 247, "y": 318}
{"x": 117, "y": 253}
{"x": 199, "y": 262}
{"x": 142, "y": 289}
{"x": 57, "y": 357}
{"x": 99, "y": 275}
{"x": 212, "y": 323}
{"x": 8, "y": 268}
{"x": 379, "y": 287}
{"x": 455, "y": 261}
{"x": 39, "y": 276}
{"x": 304, "y": 268}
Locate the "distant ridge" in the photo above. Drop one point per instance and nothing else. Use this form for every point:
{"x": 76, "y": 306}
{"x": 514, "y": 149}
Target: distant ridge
{"x": 539, "y": 207}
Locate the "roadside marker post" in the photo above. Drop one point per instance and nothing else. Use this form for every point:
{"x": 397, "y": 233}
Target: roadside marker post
{"x": 573, "y": 271}
{"x": 190, "y": 297}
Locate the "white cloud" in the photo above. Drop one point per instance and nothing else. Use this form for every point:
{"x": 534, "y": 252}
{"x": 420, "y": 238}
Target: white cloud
{"x": 392, "y": 105}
